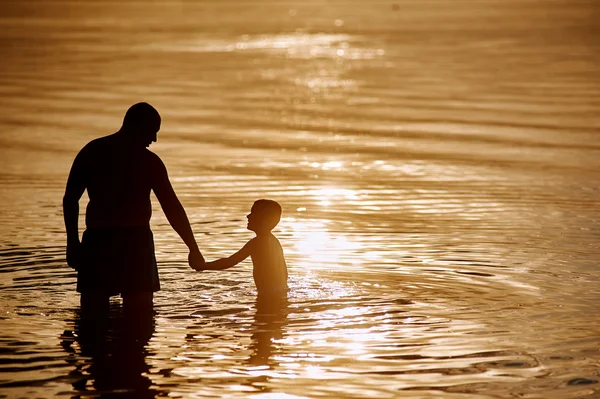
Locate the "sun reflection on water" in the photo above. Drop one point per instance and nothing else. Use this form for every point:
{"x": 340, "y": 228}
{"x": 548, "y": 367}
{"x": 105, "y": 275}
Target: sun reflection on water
{"x": 317, "y": 247}
{"x": 328, "y": 165}
{"x": 293, "y": 45}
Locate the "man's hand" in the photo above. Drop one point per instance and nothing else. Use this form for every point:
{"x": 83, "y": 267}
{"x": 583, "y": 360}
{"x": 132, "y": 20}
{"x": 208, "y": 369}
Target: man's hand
{"x": 196, "y": 260}
{"x": 74, "y": 254}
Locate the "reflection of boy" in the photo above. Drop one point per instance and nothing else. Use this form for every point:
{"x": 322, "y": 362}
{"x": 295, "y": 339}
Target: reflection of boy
{"x": 269, "y": 267}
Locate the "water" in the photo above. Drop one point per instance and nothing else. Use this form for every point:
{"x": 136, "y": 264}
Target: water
{"x": 438, "y": 164}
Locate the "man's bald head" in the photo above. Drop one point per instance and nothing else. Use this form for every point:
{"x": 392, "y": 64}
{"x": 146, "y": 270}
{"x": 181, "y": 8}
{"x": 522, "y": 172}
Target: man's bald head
{"x": 142, "y": 121}
{"x": 141, "y": 114}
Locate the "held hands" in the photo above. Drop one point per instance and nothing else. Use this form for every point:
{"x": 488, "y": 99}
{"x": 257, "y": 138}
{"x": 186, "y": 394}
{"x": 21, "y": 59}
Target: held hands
{"x": 196, "y": 260}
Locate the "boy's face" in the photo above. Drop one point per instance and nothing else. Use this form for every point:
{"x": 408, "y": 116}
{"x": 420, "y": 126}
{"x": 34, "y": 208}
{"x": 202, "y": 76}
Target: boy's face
{"x": 253, "y": 220}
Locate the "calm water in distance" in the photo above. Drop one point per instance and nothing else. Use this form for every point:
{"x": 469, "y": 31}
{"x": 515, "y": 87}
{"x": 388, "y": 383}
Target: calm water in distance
{"x": 438, "y": 163}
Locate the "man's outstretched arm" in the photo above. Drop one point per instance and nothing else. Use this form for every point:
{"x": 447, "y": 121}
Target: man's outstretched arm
{"x": 176, "y": 215}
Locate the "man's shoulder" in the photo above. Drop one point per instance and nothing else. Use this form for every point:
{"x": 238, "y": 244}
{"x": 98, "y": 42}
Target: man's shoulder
{"x": 152, "y": 156}
{"x": 153, "y": 159}
{"x": 97, "y": 144}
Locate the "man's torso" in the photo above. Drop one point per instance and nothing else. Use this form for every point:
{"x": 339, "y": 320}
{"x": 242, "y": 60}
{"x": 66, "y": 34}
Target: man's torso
{"x": 118, "y": 180}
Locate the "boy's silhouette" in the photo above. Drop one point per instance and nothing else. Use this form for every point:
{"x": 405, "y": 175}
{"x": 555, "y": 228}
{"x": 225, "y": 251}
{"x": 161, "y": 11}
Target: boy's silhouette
{"x": 269, "y": 267}
{"x": 116, "y": 254}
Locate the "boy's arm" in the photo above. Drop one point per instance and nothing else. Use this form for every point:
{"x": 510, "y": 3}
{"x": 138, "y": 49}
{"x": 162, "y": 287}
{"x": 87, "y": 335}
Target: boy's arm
{"x": 226, "y": 263}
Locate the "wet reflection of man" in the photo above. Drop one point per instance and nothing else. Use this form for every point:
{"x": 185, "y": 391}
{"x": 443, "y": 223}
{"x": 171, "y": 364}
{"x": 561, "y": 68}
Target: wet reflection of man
{"x": 111, "y": 356}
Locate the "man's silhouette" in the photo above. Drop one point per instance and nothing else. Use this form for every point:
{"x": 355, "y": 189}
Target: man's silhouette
{"x": 116, "y": 254}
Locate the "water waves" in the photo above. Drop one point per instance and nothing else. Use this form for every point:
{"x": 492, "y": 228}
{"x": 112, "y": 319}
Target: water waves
{"x": 437, "y": 165}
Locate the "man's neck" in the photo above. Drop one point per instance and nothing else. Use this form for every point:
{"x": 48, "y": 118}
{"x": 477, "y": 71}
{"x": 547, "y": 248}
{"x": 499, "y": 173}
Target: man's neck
{"x": 126, "y": 139}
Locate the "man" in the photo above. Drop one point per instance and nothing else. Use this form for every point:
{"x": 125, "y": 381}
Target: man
{"x": 116, "y": 254}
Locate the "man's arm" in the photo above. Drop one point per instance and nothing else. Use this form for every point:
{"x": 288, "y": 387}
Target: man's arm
{"x": 175, "y": 213}
{"x": 226, "y": 263}
{"x": 73, "y": 192}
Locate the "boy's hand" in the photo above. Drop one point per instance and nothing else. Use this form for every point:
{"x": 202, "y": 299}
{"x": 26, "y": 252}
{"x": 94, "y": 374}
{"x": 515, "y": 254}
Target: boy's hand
{"x": 196, "y": 260}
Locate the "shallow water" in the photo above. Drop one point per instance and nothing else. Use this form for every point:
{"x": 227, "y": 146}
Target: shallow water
{"x": 438, "y": 165}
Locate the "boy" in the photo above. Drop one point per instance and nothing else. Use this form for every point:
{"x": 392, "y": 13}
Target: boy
{"x": 269, "y": 267}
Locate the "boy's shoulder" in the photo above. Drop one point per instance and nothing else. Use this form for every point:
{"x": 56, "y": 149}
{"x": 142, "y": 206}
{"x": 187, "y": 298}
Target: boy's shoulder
{"x": 265, "y": 239}
{"x": 263, "y": 242}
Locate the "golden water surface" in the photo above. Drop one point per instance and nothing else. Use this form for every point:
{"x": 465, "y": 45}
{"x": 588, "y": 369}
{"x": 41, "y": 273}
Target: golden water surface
{"x": 438, "y": 163}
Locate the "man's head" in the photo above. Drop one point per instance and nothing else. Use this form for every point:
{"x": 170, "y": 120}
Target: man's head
{"x": 141, "y": 123}
{"x": 264, "y": 216}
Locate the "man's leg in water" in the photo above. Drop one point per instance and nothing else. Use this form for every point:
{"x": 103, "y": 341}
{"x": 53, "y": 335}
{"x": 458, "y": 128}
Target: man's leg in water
{"x": 139, "y": 315}
{"x": 92, "y": 323}
{"x": 94, "y": 305}
{"x": 138, "y": 304}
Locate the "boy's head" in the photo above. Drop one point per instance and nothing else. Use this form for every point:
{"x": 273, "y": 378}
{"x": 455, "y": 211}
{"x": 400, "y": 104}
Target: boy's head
{"x": 264, "y": 215}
